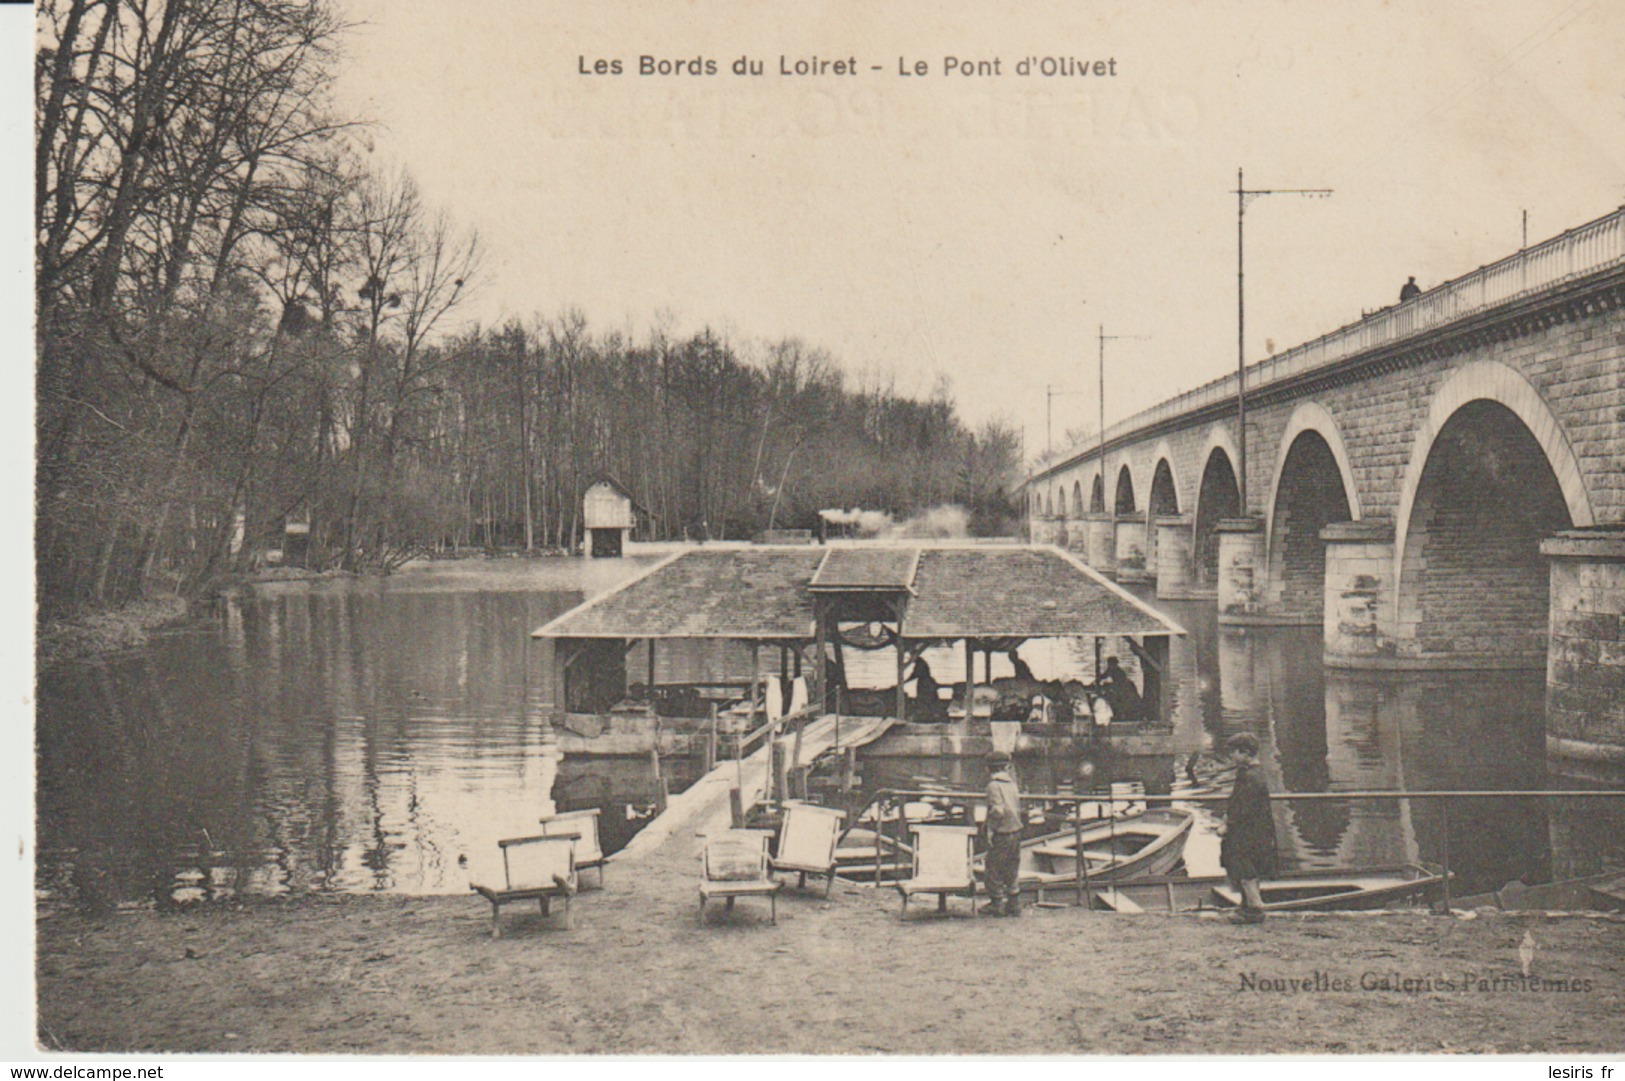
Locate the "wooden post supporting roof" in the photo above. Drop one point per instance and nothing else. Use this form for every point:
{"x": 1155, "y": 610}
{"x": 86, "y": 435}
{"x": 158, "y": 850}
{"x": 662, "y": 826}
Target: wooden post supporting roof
{"x": 821, "y": 663}
{"x": 902, "y": 698}
{"x": 565, "y": 654}
{"x": 1158, "y": 681}
{"x": 1153, "y": 652}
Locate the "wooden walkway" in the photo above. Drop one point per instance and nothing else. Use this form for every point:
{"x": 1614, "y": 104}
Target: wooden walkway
{"x": 704, "y": 806}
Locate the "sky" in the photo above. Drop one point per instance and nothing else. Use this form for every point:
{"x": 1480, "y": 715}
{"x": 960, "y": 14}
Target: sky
{"x": 987, "y": 227}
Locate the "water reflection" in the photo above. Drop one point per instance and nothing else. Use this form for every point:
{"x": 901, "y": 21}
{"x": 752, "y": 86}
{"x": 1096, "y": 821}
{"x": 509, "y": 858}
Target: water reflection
{"x": 1338, "y": 730}
{"x": 1328, "y": 731}
{"x": 368, "y": 735}
{"x": 333, "y": 736}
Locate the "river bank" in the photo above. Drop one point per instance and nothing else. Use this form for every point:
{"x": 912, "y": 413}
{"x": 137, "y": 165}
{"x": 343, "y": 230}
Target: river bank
{"x": 399, "y": 975}
{"x": 115, "y": 630}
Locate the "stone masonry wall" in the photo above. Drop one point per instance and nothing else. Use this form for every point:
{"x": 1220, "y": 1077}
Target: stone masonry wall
{"x": 1578, "y": 368}
{"x": 1585, "y": 672}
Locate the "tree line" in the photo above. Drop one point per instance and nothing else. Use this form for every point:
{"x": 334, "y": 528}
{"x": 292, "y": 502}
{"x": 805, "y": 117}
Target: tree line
{"x": 712, "y": 441}
{"x": 243, "y": 320}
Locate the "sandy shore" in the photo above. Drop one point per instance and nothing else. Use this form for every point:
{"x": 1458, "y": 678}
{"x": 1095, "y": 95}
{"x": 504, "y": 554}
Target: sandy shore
{"x": 635, "y": 974}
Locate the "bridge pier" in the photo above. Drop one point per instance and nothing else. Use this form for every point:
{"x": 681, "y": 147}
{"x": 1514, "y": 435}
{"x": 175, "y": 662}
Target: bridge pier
{"x": 1174, "y": 542}
{"x": 1102, "y": 541}
{"x": 1077, "y": 538}
{"x": 1130, "y": 544}
{"x": 1585, "y": 667}
{"x": 1241, "y": 570}
{"x": 1359, "y": 593}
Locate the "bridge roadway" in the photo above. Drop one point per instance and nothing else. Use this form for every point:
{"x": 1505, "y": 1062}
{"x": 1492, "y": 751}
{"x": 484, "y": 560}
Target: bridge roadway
{"x": 1438, "y": 485}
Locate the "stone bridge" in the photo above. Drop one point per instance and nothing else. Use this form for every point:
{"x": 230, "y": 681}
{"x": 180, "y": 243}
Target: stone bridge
{"x": 1439, "y": 485}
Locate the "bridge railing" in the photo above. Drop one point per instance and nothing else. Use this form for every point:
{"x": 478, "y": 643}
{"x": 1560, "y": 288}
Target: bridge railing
{"x": 1581, "y": 251}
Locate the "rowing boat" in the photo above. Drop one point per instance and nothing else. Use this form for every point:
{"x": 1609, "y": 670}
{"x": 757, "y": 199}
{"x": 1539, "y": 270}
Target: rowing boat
{"x": 1149, "y": 843}
{"x": 1295, "y": 891}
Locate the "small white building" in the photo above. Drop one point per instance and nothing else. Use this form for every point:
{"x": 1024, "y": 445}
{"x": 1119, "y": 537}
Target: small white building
{"x": 608, "y": 516}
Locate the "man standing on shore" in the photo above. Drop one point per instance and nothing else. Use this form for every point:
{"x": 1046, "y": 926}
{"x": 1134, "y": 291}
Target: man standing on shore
{"x": 1248, "y": 849}
{"x": 1004, "y": 837}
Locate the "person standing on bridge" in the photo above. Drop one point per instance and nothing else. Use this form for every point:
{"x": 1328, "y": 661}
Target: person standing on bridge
{"x": 1247, "y": 852}
{"x": 1410, "y": 290}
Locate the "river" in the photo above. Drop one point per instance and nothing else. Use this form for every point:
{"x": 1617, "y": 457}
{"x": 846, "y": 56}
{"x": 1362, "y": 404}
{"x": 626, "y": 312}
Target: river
{"x": 374, "y": 735}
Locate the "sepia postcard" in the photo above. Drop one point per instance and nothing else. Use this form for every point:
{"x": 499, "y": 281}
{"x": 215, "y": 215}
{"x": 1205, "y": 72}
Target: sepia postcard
{"x": 736, "y": 529}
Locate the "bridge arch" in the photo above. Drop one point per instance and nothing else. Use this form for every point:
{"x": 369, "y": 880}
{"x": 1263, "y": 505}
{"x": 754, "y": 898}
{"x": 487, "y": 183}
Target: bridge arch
{"x": 1312, "y": 416}
{"x": 1493, "y": 381}
{"x": 1312, "y": 486}
{"x": 1491, "y": 475}
{"x": 1217, "y": 436}
{"x": 1123, "y": 499}
{"x": 1077, "y": 499}
{"x": 1163, "y": 498}
{"x": 1097, "y": 493}
{"x": 1218, "y": 495}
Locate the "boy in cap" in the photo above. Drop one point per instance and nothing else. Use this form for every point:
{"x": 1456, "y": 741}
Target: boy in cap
{"x": 1248, "y": 849}
{"x": 1004, "y": 837}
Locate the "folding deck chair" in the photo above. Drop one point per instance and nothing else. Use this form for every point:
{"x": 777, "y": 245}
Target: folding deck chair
{"x": 735, "y": 865}
{"x": 583, "y": 826}
{"x": 533, "y": 868}
{"x": 807, "y": 839}
{"x": 943, "y": 865}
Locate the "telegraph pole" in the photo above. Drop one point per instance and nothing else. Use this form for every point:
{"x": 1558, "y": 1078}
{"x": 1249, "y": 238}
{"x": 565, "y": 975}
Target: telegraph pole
{"x": 1242, "y": 195}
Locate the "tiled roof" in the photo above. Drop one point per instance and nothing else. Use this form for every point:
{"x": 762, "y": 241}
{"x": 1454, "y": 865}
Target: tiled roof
{"x": 867, "y": 568}
{"x": 990, "y": 592}
{"x": 764, "y": 593}
{"x": 716, "y": 593}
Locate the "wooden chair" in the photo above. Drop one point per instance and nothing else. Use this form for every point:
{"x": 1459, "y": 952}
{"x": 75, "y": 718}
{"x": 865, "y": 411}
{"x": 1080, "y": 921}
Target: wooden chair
{"x": 807, "y": 839}
{"x": 943, "y": 864}
{"x": 533, "y": 868}
{"x": 583, "y": 826}
{"x": 735, "y": 865}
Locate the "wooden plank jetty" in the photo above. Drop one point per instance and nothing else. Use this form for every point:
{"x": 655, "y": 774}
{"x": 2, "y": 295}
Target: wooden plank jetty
{"x": 705, "y": 806}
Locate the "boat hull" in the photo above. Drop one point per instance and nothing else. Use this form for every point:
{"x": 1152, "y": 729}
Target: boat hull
{"x": 1149, "y": 843}
{"x": 1297, "y": 891}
